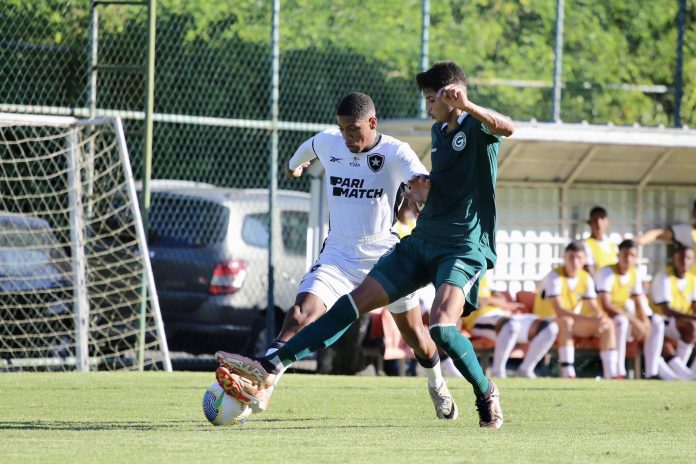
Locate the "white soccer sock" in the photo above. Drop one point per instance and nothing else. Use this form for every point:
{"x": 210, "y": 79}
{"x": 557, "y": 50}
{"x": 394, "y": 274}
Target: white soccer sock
{"x": 679, "y": 368}
{"x": 652, "y": 348}
{"x": 538, "y": 347}
{"x": 609, "y": 361}
{"x": 449, "y": 369}
{"x": 684, "y": 350}
{"x": 566, "y": 355}
{"x": 622, "y": 328}
{"x": 281, "y": 368}
{"x": 664, "y": 371}
{"x": 505, "y": 341}
{"x": 434, "y": 375}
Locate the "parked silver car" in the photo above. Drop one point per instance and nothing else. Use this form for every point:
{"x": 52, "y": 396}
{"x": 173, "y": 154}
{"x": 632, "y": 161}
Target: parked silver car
{"x": 35, "y": 289}
{"x": 209, "y": 254}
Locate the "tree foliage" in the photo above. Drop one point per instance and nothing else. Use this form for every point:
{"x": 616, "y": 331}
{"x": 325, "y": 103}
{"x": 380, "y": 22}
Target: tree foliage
{"x": 225, "y": 45}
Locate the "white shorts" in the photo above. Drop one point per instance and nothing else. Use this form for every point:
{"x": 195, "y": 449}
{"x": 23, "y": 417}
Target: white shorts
{"x": 343, "y": 264}
{"x": 485, "y": 325}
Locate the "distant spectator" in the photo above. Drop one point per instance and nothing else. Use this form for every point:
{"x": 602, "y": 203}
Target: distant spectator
{"x": 599, "y": 250}
{"x": 674, "y": 295}
{"x": 568, "y": 294}
{"x": 620, "y": 290}
{"x": 682, "y": 233}
{"x": 496, "y": 320}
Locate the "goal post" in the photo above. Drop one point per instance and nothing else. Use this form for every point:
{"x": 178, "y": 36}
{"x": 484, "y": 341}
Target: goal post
{"x": 76, "y": 285}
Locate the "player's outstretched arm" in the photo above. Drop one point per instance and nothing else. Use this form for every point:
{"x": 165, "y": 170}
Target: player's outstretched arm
{"x": 651, "y": 235}
{"x": 455, "y": 95}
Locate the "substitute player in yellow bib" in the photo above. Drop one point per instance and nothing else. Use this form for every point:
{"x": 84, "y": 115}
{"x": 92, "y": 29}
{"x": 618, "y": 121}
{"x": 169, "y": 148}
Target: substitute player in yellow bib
{"x": 496, "y": 321}
{"x": 674, "y": 295}
{"x": 621, "y": 296}
{"x": 600, "y": 252}
{"x": 568, "y": 294}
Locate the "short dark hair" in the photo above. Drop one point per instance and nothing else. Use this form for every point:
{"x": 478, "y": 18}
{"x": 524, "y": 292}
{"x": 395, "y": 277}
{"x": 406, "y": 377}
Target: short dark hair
{"x": 358, "y": 105}
{"x": 628, "y": 243}
{"x": 694, "y": 205}
{"x": 678, "y": 247}
{"x": 441, "y": 74}
{"x": 598, "y": 211}
{"x": 574, "y": 247}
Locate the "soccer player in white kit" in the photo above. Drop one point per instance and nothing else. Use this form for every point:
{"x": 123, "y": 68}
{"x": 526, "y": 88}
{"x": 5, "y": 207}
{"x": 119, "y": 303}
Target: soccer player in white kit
{"x": 364, "y": 172}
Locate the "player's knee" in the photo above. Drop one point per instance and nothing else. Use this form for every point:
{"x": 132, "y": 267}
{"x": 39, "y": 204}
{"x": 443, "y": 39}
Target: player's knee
{"x": 550, "y": 326}
{"x": 689, "y": 332}
{"x": 438, "y": 336}
{"x": 565, "y": 324}
{"x": 606, "y": 325}
{"x": 511, "y": 325}
{"x": 620, "y": 321}
{"x": 656, "y": 321}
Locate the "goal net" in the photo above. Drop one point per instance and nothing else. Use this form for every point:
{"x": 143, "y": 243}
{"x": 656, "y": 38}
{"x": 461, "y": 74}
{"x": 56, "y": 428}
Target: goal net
{"x": 76, "y": 287}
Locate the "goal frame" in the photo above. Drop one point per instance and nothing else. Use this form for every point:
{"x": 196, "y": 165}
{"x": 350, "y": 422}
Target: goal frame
{"x": 78, "y": 259}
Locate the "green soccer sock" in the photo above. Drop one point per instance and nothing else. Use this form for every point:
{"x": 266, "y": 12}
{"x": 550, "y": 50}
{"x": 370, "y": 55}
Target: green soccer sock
{"x": 460, "y": 349}
{"x": 318, "y": 335}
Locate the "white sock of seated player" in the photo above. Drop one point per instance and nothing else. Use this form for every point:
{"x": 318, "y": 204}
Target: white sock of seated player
{"x": 539, "y": 346}
{"x": 505, "y": 341}
{"x": 652, "y": 349}
{"x": 684, "y": 350}
{"x": 609, "y": 362}
{"x": 679, "y": 368}
{"x": 622, "y": 329}
{"x": 566, "y": 355}
{"x": 664, "y": 371}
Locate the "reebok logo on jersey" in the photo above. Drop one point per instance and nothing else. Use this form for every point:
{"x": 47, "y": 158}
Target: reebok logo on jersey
{"x": 375, "y": 161}
{"x": 333, "y": 159}
{"x": 353, "y": 188}
{"x": 459, "y": 141}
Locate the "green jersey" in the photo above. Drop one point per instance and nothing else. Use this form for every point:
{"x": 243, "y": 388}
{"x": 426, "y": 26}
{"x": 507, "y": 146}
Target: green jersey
{"x": 461, "y": 204}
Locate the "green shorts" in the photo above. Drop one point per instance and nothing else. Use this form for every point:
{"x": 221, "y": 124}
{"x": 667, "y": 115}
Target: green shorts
{"x": 413, "y": 263}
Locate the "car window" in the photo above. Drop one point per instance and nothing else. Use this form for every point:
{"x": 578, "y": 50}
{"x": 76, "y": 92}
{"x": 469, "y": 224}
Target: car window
{"x": 255, "y": 230}
{"x": 28, "y": 252}
{"x": 294, "y": 227}
{"x": 179, "y": 221}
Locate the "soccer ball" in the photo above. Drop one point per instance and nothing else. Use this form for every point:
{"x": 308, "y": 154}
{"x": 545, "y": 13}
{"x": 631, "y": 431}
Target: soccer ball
{"x": 221, "y": 409}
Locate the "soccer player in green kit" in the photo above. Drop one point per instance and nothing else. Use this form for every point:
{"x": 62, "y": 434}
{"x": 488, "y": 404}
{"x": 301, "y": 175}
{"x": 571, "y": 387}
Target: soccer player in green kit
{"x": 451, "y": 246}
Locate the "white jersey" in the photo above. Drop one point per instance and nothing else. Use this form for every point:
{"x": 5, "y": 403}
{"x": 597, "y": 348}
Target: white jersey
{"x": 362, "y": 191}
{"x": 361, "y": 187}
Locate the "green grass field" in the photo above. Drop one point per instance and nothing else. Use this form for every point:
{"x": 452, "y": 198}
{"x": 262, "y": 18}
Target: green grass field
{"x": 156, "y": 417}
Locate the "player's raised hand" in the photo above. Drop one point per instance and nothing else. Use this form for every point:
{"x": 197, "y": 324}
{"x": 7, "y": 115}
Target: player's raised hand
{"x": 297, "y": 172}
{"x": 454, "y": 95}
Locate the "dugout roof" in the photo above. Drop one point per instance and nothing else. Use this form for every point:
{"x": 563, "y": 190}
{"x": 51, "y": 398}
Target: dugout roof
{"x": 559, "y": 154}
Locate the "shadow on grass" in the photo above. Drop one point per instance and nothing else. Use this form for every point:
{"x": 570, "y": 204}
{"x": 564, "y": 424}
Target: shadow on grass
{"x": 83, "y": 426}
{"x": 274, "y": 424}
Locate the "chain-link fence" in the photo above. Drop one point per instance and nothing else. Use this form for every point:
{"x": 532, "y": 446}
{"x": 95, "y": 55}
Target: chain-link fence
{"x": 213, "y": 104}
